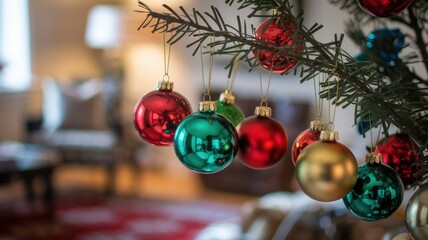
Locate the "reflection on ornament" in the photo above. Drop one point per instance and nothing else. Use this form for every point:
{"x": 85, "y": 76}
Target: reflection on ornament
{"x": 158, "y": 113}
{"x": 417, "y": 214}
{"x": 206, "y": 142}
{"x": 279, "y": 32}
{"x": 402, "y": 236}
{"x": 305, "y": 138}
{"x": 326, "y": 170}
{"x": 398, "y": 152}
{"x": 384, "y": 8}
{"x": 262, "y": 140}
{"x": 378, "y": 192}
{"x": 226, "y": 106}
{"x": 385, "y": 44}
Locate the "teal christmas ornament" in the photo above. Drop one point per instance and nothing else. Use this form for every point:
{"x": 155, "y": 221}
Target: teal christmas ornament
{"x": 226, "y": 106}
{"x": 378, "y": 192}
{"x": 206, "y": 142}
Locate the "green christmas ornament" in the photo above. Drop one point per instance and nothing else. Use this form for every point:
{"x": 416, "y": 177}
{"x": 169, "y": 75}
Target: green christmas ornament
{"x": 226, "y": 106}
{"x": 206, "y": 142}
{"x": 378, "y": 192}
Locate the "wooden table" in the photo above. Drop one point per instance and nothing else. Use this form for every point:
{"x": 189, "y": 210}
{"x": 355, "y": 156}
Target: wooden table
{"x": 27, "y": 162}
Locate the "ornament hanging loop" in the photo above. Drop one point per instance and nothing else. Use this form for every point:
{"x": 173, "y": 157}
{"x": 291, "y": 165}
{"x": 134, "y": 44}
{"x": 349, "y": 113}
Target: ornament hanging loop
{"x": 264, "y": 97}
{"x": 207, "y": 94}
{"x": 166, "y": 56}
{"x": 330, "y": 117}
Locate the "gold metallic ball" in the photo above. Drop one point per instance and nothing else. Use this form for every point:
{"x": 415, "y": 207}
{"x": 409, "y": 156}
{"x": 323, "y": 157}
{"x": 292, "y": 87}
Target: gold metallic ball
{"x": 417, "y": 214}
{"x": 326, "y": 170}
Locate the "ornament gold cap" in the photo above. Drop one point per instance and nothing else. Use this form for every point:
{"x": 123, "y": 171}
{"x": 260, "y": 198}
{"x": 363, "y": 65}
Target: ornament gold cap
{"x": 207, "y": 106}
{"x": 374, "y": 158}
{"x": 327, "y": 135}
{"x": 317, "y": 125}
{"x": 263, "y": 111}
{"x": 227, "y": 97}
{"x": 165, "y": 85}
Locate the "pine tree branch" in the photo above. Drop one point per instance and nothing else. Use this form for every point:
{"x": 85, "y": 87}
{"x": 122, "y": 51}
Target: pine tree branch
{"x": 420, "y": 41}
{"x": 361, "y": 83}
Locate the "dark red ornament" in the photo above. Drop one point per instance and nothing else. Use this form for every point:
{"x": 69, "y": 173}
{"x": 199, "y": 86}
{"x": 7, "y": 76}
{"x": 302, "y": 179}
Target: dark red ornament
{"x": 398, "y": 152}
{"x": 384, "y": 8}
{"x": 158, "y": 113}
{"x": 262, "y": 141}
{"x": 280, "y": 33}
{"x": 306, "y": 138}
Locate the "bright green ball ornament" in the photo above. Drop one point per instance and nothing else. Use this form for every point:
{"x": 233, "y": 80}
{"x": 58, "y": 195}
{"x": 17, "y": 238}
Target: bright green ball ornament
{"x": 206, "y": 142}
{"x": 378, "y": 192}
{"x": 226, "y": 106}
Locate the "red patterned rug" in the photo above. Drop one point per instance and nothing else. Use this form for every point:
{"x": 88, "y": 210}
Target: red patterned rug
{"x": 96, "y": 218}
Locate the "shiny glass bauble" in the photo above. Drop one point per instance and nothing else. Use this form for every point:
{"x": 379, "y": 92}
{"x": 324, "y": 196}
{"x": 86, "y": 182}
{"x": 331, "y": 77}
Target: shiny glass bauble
{"x": 384, "y": 8}
{"x": 384, "y": 45}
{"x": 231, "y": 111}
{"x": 304, "y": 139}
{"x": 417, "y": 214}
{"x": 377, "y": 194}
{"x": 157, "y": 115}
{"x": 206, "y": 142}
{"x": 278, "y": 32}
{"x": 400, "y": 153}
{"x": 262, "y": 142}
{"x": 326, "y": 170}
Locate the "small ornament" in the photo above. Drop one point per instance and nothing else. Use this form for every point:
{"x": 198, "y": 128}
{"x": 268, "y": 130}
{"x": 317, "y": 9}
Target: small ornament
{"x": 417, "y": 214}
{"x": 385, "y": 45}
{"x": 326, "y": 170}
{"x": 278, "y": 32}
{"x": 306, "y": 138}
{"x": 384, "y": 8}
{"x": 226, "y": 106}
{"x": 262, "y": 140}
{"x": 158, "y": 113}
{"x": 398, "y": 153}
{"x": 378, "y": 192}
{"x": 363, "y": 125}
{"x": 206, "y": 142}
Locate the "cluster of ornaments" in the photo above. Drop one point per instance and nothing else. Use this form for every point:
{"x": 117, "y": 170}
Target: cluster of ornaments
{"x": 208, "y": 140}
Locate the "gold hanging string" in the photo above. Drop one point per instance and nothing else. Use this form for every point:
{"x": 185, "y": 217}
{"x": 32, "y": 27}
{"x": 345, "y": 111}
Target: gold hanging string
{"x": 372, "y": 144}
{"x": 265, "y": 97}
{"x": 371, "y": 134}
{"x": 231, "y": 80}
{"x": 318, "y": 99}
{"x": 207, "y": 96}
{"x": 331, "y": 119}
{"x": 166, "y": 56}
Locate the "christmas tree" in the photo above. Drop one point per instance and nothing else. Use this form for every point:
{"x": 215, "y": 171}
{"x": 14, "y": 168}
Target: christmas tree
{"x": 382, "y": 85}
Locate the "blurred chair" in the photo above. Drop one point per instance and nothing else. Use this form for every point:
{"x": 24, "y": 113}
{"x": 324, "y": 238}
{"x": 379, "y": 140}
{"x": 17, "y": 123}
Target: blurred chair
{"x": 81, "y": 120}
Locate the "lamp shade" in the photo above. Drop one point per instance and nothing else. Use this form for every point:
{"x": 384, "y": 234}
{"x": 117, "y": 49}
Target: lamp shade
{"x": 103, "y": 28}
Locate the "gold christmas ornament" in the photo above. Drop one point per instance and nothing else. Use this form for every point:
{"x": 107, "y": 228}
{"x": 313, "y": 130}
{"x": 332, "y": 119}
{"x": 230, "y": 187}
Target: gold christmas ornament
{"x": 326, "y": 170}
{"x": 417, "y": 214}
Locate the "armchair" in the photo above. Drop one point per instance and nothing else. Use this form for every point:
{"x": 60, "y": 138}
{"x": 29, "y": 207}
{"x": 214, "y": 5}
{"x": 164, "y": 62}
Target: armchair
{"x": 81, "y": 120}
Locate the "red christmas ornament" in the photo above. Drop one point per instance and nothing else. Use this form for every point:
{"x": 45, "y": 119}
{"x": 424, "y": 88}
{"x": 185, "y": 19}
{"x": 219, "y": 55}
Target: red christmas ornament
{"x": 262, "y": 140}
{"x": 158, "y": 113}
{"x": 280, "y": 33}
{"x": 398, "y": 152}
{"x": 306, "y": 138}
{"x": 384, "y": 8}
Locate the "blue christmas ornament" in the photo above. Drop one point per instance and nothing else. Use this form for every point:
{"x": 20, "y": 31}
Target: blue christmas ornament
{"x": 386, "y": 44}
